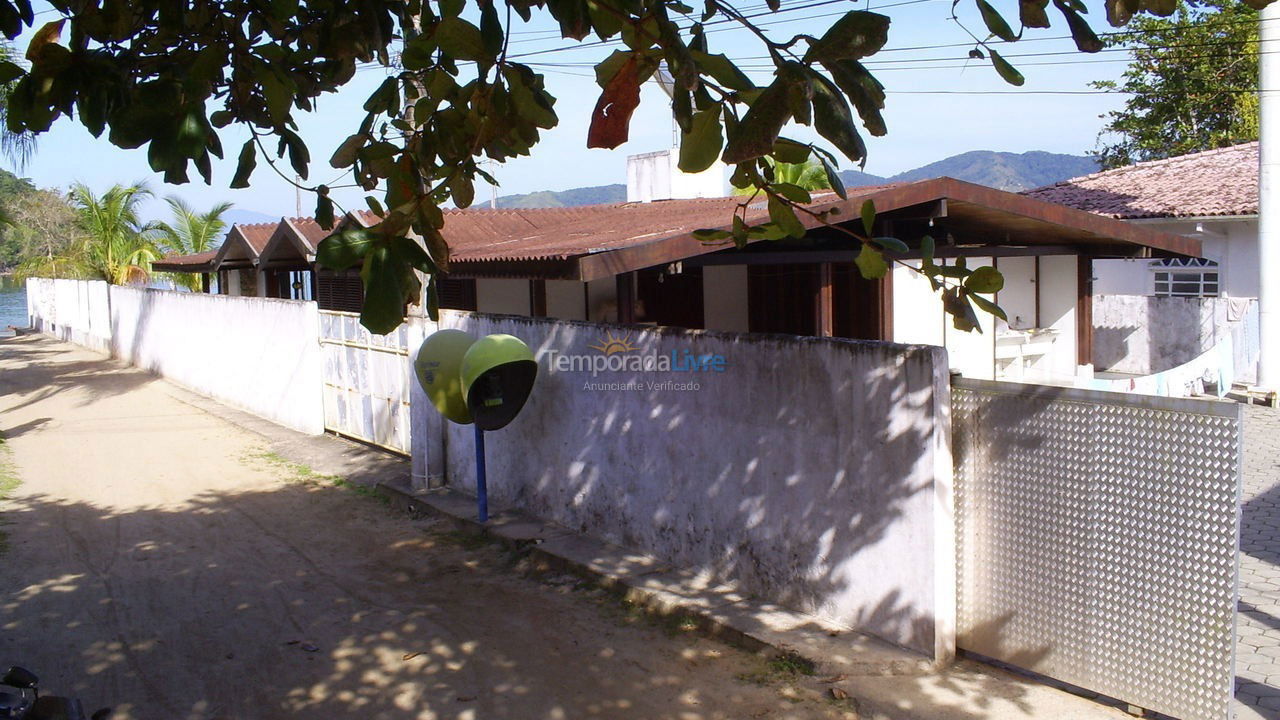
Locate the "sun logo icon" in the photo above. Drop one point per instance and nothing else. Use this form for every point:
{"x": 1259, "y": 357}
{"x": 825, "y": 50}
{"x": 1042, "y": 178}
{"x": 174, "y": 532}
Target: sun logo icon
{"x": 612, "y": 344}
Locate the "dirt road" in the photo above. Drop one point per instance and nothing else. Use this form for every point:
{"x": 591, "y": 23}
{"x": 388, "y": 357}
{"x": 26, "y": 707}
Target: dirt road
{"x": 154, "y": 559}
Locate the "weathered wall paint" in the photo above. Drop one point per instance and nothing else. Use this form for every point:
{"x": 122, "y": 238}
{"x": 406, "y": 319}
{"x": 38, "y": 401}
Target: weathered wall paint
{"x": 260, "y": 355}
{"x": 1142, "y": 334}
{"x": 814, "y": 472}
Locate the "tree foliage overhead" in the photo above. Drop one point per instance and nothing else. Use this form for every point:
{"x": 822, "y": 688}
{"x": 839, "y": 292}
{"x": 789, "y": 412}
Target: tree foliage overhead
{"x": 1193, "y": 82}
{"x": 169, "y": 75}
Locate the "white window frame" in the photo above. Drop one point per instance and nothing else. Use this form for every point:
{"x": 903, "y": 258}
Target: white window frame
{"x": 1186, "y": 277}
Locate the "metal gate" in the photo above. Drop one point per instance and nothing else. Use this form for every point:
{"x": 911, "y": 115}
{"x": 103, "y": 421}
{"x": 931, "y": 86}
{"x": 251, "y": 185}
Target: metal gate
{"x": 367, "y": 379}
{"x": 1097, "y": 540}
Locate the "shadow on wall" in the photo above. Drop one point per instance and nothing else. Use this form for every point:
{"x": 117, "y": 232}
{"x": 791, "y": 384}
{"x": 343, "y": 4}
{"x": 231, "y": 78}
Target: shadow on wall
{"x": 805, "y": 470}
{"x": 1144, "y": 335}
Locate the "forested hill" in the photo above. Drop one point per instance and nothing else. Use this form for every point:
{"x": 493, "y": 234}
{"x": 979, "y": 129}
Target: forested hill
{"x": 1002, "y": 170}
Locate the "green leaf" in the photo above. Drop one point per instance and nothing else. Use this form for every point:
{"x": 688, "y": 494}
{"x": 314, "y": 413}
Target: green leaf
{"x": 700, "y": 147}
{"x": 834, "y": 121}
{"x": 459, "y": 39}
{"x": 345, "y": 155}
{"x": 891, "y": 243}
{"x": 709, "y": 236}
{"x": 792, "y": 192}
{"x": 299, "y": 156}
{"x": 833, "y": 177}
{"x": 863, "y": 90}
{"x": 375, "y": 207}
{"x": 278, "y": 94}
{"x": 1086, "y": 39}
{"x": 244, "y": 167}
{"x": 785, "y": 216}
{"x": 791, "y": 152}
{"x": 988, "y": 306}
{"x": 871, "y": 263}
{"x": 345, "y": 249}
{"x": 10, "y": 71}
{"x": 388, "y": 287}
{"x": 1007, "y": 71}
{"x": 868, "y": 216}
{"x": 994, "y": 22}
{"x": 1032, "y": 14}
{"x": 723, "y": 70}
{"x": 491, "y": 33}
{"x": 324, "y": 212}
{"x": 927, "y": 249}
{"x": 985, "y": 279}
{"x": 755, "y": 135}
{"x": 856, "y": 35}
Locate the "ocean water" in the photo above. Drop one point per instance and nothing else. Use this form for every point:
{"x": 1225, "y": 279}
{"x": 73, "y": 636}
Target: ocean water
{"x": 13, "y": 305}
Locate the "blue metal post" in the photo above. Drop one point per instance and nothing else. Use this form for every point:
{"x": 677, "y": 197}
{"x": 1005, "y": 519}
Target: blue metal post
{"x": 482, "y": 483}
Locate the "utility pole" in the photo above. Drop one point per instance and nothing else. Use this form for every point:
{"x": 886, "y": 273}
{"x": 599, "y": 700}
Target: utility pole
{"x": 1269, "y": 198}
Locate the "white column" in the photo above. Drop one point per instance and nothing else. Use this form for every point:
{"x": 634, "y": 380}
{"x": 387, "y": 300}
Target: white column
{"x": 1269, "y": 199}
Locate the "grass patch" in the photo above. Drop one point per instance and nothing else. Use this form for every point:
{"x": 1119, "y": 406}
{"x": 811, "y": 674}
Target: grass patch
{"x": 293, "y": 472}
{"x": 464, "y": 540}
{"x": 9, "y": 482}
{"x": 781, "y": 668}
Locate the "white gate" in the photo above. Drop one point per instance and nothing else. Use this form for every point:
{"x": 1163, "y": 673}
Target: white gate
{"x": 367, "y": 379}
{"x": 1097, "y": 540}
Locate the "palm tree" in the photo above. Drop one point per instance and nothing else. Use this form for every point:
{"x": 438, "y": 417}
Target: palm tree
{"x": 191, "y": 232}
{"x": 117, "y": 246}
{"x": 18, "y": 147}
{"x": 808, "y": 175}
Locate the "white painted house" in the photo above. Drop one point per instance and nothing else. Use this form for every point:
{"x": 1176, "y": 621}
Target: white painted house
{"x": 1153, "y": 314}
{"x": 1211, "y": 196}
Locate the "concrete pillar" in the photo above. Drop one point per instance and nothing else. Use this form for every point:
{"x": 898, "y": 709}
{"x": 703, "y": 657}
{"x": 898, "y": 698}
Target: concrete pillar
{"x": 1269, "y": 198}
{"x": 261, "y": 275}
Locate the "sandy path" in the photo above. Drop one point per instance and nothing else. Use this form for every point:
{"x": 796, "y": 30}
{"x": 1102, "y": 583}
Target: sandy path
{"x": 156, "y": 563}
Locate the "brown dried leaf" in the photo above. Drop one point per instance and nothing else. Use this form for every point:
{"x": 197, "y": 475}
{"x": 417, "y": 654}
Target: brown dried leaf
{"x": 612, "y": 116}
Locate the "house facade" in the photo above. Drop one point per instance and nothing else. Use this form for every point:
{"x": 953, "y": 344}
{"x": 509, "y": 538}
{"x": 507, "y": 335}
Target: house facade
{"x": 1160, "y": 314}
{"x": 639, "y": 263}
{"x": 1211, "y": 196}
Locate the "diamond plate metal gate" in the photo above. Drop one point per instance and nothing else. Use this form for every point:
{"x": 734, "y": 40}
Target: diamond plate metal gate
{"x": 1097, "y": 540}
{"x": 367, "y": 379}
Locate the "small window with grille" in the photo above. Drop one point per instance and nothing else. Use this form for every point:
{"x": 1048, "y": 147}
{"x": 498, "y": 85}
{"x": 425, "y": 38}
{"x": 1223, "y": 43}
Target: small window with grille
{"x": 1185, "y": 277}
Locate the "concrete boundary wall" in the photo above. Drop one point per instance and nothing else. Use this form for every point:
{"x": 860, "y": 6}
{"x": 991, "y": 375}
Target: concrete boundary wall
{"x": 74, "y": 311}
{"x": 816, "y": 473}
{"x": 256, "y": 354}
{"x": 1144, "y": 335}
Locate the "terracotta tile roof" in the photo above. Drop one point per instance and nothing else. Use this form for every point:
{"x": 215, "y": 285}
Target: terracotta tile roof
{"x": 196, "y": 259}
{"x": 310, "y": 230}
{"x": 257, "y": 234}
{"x": 1210, "y": 183}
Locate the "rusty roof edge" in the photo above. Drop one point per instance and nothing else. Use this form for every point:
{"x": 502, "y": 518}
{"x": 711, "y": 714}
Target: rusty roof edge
{"x": 1096, "y": 224}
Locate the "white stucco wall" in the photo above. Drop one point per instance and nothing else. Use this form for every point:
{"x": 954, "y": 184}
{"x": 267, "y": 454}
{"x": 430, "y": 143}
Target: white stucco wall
{"x": 1143, "y": 335}
{"x": 566, "y": 299}
{"x": 502, "y": 296}
{"x": 1232, "y": 243}
{"x": 920, "y": 318}
{"x": 815, "y": 472}
{"x": 657, "y": 176}
{"x": 75, "y": 311}
{"x": 724, "y": 298}
{"x": 259, "y": 355}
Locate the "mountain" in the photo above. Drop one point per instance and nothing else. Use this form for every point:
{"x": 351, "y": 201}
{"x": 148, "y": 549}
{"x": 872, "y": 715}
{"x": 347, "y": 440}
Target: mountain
{"x": 239, "y": 216}
{"x": 598, "y": 195}
{"x": 1005, "y": 171}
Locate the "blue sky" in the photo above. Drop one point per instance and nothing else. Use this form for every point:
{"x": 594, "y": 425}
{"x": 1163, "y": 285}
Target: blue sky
{"x": 940, "y": 104}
